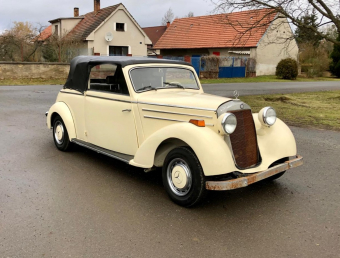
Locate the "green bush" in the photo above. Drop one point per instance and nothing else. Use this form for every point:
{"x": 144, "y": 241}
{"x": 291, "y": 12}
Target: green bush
{"x": 287, "y": 69}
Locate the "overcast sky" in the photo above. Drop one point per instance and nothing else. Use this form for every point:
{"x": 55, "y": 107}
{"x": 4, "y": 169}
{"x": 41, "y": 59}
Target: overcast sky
{"x": 147, "y": 12}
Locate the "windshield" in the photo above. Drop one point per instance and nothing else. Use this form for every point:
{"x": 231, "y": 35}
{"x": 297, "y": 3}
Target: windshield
{"x": 155, "y": 78}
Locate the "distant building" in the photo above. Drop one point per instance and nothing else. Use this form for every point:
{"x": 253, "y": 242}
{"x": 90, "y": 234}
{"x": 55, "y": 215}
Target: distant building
{"x": 107, "y": 31}
{"x": 45, "y": 34}
{"x": 232, "y": 35}
{"x": 155, "y": 33}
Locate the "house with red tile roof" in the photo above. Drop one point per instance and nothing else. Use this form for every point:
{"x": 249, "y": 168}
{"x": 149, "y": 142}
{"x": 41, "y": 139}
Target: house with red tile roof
{"x": 45, "y": 34}
{"x": 259, "y": 34}
{"x": 105, "y": 31}
{"x": 155, "y": 33}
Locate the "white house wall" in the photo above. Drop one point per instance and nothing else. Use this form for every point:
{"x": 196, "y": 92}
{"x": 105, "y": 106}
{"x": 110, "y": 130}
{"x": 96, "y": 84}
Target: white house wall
{"x": 68, "y": 24}
{"x": 132, "y": 37}
{"x": 226, "y": 51}
{"x": 53, "y": 28}
{"x": 275, "y": 46}
{"x": 85, "y": 48}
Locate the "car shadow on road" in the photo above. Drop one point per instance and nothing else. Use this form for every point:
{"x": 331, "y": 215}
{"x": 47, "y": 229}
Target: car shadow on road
{"x": 254, "y": 195}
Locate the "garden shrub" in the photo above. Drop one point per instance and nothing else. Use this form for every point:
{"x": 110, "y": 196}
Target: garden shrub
{"x": 287, "y": 69}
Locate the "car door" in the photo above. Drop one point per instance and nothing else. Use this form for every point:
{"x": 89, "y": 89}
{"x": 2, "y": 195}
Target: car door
{"x": 109, "y": 118}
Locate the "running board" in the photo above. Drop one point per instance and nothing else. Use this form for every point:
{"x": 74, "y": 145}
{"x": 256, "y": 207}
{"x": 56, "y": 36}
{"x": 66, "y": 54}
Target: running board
{"x": 116, "y": 155}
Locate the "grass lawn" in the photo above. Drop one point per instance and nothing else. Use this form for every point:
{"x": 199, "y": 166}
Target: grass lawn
{"x": 315, "y": 109}
{"x": 266, "y": 78}
{"x": 19, "y": 82}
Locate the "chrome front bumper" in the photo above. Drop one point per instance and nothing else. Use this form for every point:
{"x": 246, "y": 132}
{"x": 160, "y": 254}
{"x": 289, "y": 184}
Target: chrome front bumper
{"x": 253, "y": 178}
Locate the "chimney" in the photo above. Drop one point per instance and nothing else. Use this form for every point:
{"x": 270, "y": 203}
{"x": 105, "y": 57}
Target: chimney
{"x": 76, "y": 12}
{"x": 168, "y": 24}
{"x": 96, "y": 6}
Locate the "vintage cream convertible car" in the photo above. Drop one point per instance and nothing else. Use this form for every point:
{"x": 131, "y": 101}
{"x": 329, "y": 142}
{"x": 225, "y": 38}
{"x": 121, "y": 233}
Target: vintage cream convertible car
{"x": 153, "y": 113}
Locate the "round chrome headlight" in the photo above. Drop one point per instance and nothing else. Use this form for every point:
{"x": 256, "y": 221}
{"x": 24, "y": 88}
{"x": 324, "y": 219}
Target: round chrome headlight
{"x": 229, "y": 123}
{"x": 269, "y": 116}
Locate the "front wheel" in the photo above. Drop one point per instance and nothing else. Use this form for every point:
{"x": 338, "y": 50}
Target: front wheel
{"x": 60, "y": 134}
{"x": 274, "y": 177}
{"x": 183, "y": 177}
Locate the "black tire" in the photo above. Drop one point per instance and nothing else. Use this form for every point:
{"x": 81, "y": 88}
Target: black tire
{"x": 189, "y": 187}
{"x": 60, "y": 134}
{"x": 272, "y": 178}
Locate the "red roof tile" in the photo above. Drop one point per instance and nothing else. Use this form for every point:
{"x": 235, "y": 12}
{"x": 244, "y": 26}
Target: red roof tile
{"x": 155, "y": 33}
{"x": 45, "y": 34}
{"x": 216, "y": 31}
{"x": 90, "y": 22}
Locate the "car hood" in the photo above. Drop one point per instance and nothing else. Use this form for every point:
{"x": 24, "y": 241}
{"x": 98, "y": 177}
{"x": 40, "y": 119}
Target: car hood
{"x": 184, "y": 99}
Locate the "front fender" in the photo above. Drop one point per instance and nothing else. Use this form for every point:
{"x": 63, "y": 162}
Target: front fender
{"x": 64, "y": 112}
{"x": 213, "y": 153}
{"x": 211, "y": 150}
{"x": 274, "y": 142}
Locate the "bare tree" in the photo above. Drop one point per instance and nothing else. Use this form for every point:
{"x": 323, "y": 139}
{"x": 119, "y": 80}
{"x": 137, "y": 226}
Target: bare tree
{"x": 327, "y": 11}
{"x": 190, "y": 14}
{"x": 168, "y": 17}
{"x": 61, "y": 49}
{"x": 18, "y": 43}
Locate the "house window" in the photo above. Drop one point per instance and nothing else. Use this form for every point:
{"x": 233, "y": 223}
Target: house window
{"x": 120, "y": 26}
{"x": 56, "y": 30}
{"x": 118, "y": 51}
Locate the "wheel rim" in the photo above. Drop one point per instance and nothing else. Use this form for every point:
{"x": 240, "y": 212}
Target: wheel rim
{"x": 179, "y": 177}
{"x": 59, "y": 132}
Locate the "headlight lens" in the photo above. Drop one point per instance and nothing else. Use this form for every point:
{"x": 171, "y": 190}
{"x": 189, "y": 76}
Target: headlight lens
{"x": 269, "y": 116}
{"x": 229, "y": 123}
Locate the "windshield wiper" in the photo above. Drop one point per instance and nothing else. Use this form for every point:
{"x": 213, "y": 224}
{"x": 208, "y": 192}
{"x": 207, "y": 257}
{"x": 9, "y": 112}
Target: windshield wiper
{"x": 174, "y": 84}
{"x": 147, "y": 87}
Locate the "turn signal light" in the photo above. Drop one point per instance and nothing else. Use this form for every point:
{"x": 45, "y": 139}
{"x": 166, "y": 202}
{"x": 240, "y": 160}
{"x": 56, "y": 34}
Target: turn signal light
{"x": 199, "y": 123}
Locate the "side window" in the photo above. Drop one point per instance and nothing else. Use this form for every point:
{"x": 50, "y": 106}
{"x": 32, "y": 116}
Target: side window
{"x": 108, "y": 78}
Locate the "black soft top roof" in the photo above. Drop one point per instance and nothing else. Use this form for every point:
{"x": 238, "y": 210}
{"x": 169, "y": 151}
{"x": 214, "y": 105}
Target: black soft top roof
{"x": 80, "y": 67}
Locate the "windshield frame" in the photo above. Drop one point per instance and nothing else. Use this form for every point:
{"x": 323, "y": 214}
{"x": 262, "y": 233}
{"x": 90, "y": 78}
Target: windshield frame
{"x": 162, "y": 88}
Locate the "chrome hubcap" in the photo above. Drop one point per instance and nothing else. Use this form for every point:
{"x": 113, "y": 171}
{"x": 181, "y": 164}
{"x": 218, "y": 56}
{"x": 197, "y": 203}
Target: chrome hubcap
{"x": 59, "y": 132}
{"x": 179, "y": 177}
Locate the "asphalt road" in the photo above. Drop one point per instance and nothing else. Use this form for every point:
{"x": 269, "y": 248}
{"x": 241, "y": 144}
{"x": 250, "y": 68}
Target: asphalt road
{"x": 227, "y": 89}
{"x": 82, "y": 204}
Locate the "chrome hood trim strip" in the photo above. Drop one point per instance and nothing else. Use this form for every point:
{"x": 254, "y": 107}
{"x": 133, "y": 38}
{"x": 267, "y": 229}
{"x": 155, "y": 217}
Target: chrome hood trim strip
{"x": 161, "y": 118}
{"x": 175, "y": 113}
{"x": 173, "y": 120}
{"x": 175, "y": 106}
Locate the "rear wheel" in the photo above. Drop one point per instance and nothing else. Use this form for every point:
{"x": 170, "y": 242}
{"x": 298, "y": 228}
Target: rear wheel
{"x": 183, "y": 177}
{"x": 60, "y": 134}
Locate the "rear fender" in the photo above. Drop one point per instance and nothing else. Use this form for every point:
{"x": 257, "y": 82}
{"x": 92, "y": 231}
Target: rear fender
{"x": 64, "y": 112}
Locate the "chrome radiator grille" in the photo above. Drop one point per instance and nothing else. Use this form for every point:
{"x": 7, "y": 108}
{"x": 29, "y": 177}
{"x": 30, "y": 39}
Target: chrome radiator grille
{"x": 244, "y": 141}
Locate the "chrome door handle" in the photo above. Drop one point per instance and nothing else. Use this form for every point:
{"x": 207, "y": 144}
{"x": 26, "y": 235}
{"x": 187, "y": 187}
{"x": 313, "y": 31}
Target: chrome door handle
{"x": 126, "y": 110}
